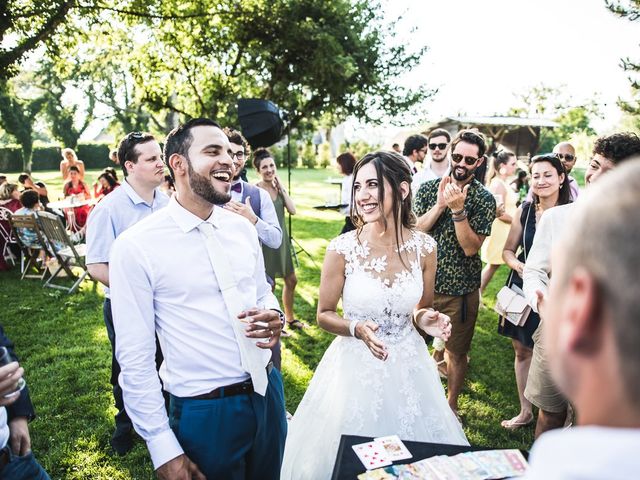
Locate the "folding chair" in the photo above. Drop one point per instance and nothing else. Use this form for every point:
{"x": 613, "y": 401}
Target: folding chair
{"x": 6, "y": 233}
{"x": 67, "y": 254}
{"x": 30, "y": 250}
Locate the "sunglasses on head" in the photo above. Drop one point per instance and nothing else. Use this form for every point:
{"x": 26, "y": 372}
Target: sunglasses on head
{"x": 441, "y": 146}
{"x": 566, "y": 156}
{"x": 457, "y": 158}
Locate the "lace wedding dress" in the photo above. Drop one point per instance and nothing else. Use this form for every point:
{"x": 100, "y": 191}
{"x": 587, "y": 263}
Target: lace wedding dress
{"x": 352, "y": 392}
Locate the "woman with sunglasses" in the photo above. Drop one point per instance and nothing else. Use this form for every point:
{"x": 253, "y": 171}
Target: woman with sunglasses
{"x": 550, "y": 187}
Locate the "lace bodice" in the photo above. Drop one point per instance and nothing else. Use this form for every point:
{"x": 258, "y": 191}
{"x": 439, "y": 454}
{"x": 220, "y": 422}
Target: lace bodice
{"x": 379, "y": 286}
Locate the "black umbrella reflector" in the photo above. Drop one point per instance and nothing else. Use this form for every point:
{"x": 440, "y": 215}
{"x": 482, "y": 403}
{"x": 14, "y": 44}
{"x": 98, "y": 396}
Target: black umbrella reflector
{"x": 261, "y": 122}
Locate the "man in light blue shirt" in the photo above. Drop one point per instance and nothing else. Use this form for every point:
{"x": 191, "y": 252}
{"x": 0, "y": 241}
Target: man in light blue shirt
{"x": 141, "y": 159}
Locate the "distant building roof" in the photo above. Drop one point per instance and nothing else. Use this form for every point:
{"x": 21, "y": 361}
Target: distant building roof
{"x": 498, "y": 121}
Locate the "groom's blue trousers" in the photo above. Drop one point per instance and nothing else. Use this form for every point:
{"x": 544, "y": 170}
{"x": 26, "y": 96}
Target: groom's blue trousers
{"x": 237, "y": 438}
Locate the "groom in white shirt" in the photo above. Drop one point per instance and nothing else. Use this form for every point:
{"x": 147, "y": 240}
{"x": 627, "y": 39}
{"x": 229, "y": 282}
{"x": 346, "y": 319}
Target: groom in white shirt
{"x": 194, "y": 274}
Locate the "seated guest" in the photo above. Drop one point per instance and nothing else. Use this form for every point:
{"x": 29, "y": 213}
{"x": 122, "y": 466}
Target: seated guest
{"x": 3, "y": 179}
{"x": 591, "y": 331}
{"x": 17, "y": 461}
{"x": 10, "y": 199}
{"x": 28, "y": 183}
{"x": 10, "y": 196}
{"x": 107, "y": 184}
{"x": 31, "y": 205}
{"x": 75, "y": 187}
{"x": 70, "y": 159}
{"x": 112, "y": 171}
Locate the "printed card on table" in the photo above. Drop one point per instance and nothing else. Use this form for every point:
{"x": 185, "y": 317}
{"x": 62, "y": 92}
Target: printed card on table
{"x": 372, "y": 455}
{"x": 396, "y": 450}
{"x": 501, "y": 463}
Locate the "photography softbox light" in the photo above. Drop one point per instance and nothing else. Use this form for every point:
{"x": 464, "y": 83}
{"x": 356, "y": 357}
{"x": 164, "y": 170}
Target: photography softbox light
{"x": 261, "y": 122}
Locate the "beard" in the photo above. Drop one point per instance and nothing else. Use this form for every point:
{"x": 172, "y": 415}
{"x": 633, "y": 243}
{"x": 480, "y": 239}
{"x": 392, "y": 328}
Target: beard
{"x": 202, "y": 187}
{"x": 467, "y": 173}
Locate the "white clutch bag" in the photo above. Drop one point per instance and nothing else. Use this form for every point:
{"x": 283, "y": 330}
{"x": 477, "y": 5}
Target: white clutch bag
{"x": 512, "y": 305}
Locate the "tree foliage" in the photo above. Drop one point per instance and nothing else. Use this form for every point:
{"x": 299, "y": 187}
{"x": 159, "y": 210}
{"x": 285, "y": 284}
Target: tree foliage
{"x": 630, "y": 9}
{"x": 17, "y": 117}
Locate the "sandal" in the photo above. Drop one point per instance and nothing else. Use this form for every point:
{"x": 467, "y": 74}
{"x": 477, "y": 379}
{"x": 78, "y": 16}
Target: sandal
{"x": 284, "y": 333}
{"x": 297, "y": 324}
{"x": 513, "y": 425}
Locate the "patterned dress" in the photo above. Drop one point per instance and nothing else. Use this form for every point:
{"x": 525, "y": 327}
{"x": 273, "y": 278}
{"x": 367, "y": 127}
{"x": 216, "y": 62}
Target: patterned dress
{"x": 352, "y": 392}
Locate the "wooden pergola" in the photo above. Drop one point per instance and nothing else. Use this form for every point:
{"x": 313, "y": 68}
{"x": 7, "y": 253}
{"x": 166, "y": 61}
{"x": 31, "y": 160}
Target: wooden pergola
{"x": 520, "y": 135}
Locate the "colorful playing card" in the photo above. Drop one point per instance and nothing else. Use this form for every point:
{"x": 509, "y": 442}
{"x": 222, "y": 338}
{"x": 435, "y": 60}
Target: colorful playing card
{"x": 396, "y": 450}
{"x": 372, "y": 455}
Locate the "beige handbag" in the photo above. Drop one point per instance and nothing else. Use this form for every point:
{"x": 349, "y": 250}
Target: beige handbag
{"x": 512, "y": 305}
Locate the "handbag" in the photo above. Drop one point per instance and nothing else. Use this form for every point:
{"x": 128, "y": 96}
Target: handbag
{"x": 512, "y": 305}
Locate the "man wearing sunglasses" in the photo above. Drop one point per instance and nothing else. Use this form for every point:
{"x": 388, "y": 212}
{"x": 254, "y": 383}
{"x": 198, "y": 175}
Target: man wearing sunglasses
{"x": 458, "y": 212}
{"x": 436, "y": 165}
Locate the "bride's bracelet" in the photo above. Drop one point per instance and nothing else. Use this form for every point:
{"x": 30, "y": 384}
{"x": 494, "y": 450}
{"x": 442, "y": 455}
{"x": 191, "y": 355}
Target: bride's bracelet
{"x": 352, "y": 327}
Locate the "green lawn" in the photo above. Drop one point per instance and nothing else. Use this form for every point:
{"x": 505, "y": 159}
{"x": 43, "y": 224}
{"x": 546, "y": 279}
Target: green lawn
{"x": 65, "y": 351}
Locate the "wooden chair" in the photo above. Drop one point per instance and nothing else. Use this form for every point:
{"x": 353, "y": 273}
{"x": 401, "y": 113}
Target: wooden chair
{"x": 31, "y": 251}
{"x": 67, "y": 254}
{"x": 6, "y": 233}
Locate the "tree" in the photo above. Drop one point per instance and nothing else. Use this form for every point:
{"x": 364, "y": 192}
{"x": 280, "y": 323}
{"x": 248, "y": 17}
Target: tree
{"x": 17, "y": 117}
{"x": 313, "y": 58}
{"x": 24, "y": 26}
{"x": 631, "y": 12}
{"x": 67, "y": 123}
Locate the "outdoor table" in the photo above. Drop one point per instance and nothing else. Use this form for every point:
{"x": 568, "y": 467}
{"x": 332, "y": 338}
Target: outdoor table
{"x": 67, "y": 205}
{"x": 331, "y": 206}
{"x": 348, "y": 466}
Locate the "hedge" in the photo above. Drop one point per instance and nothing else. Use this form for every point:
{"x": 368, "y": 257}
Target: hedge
{"x": 47, "y": 157}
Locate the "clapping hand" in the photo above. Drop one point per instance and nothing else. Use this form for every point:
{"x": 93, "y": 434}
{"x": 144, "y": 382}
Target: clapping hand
{"x": 455, "y": 196}
{"x": 434, "y": 323}
{"x": 366, "y": 331}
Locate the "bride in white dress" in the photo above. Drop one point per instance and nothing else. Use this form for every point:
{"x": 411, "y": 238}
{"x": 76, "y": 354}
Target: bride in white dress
{"x": 376, "y": 378}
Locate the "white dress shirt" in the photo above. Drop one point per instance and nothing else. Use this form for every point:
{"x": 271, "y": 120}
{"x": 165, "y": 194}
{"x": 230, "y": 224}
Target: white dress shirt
{"x": 162, "y": 282}
{"x": 267, "y": 226}
{"x": 586, "y": 453}
{"x": 113, "y": 215}
{"x": 537, "y": 269}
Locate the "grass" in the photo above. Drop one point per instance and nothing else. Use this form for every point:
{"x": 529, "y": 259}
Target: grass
{"x": 64, "y": 348}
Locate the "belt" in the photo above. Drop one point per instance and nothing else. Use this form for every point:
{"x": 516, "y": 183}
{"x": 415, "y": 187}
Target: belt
{"x": 241, "y": 388}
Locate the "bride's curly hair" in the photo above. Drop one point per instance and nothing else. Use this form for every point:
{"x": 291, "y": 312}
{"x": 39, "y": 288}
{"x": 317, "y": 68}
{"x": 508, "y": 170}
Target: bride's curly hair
{"x": 394, "y": 169}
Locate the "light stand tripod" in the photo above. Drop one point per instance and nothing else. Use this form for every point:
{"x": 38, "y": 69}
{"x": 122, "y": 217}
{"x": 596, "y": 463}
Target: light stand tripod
{"x": 296, "y": 248}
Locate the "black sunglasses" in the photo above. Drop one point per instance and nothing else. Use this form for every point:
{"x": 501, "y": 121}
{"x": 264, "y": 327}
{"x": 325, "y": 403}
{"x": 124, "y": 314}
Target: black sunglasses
{"x": 441, "y": 146}
{"x": 457, "y": 158}
{"x": 566, "y": 156}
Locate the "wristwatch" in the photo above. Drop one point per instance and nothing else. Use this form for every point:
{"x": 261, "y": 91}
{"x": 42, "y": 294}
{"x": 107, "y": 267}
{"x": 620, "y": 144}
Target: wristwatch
{"x": 281, "y": 315}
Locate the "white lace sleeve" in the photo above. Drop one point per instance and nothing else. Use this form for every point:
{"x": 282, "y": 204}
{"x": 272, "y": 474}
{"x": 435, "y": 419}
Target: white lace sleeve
{"x": 342, "y": 244}
{"x": 428, "y": 243}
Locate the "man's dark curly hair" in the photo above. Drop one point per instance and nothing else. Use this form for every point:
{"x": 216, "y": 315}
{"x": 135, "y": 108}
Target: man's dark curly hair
{"x": 618, "y": 146}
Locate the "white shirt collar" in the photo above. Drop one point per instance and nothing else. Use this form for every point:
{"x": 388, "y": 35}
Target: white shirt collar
{"x": 186, "y": 220}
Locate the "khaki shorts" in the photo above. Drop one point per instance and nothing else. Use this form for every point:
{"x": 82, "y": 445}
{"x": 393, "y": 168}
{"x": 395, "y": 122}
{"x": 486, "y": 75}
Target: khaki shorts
{"x": 463, "y": 311}
{"x": 541, "y": 390}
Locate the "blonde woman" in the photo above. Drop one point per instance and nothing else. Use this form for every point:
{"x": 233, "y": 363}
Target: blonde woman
{"x": 70, "y": 159}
